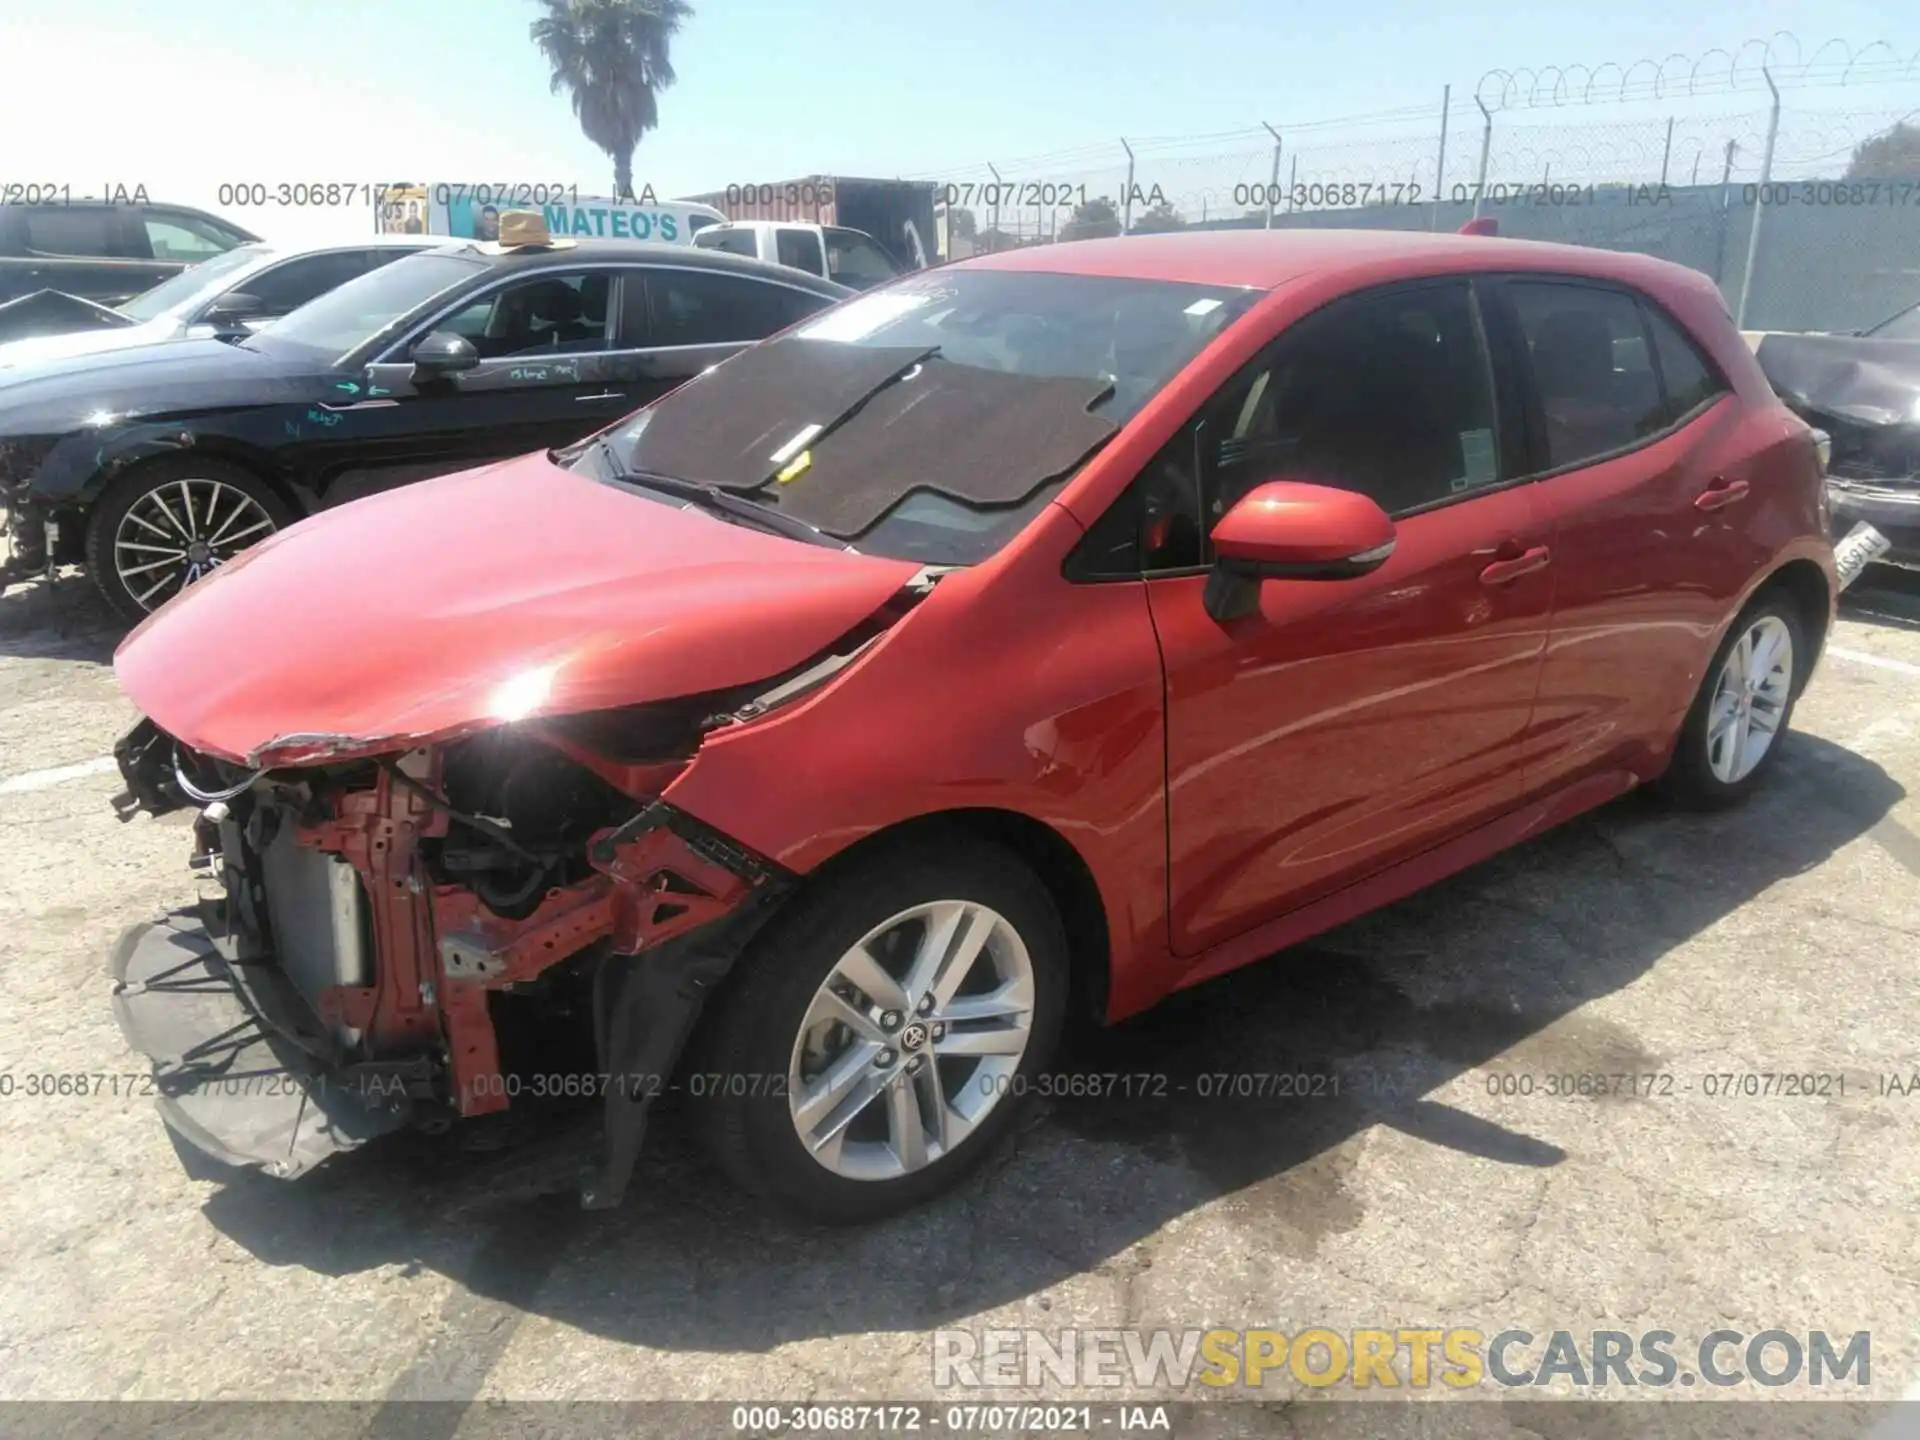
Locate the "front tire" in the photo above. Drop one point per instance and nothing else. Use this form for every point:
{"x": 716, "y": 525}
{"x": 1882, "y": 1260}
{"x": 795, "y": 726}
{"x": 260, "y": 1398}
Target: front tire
{"x": 1733, "y": 731}
{"x": 883, "y": 1033}
{"x": 166, "y": 524}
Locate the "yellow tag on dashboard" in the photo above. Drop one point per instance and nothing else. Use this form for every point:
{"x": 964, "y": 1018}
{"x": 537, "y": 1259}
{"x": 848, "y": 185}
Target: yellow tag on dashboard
{"x": 797, "y": 468}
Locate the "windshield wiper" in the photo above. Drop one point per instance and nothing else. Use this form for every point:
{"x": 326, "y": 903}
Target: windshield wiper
{"x": 716, "y": 500}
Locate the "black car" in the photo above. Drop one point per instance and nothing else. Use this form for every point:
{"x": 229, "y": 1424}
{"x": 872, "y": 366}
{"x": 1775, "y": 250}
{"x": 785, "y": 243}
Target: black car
{"x": 234, "y": 293}
{"x": 154, "y": 465}
{"x": 104, "y": 252}
{"x": 1863, "y": 390}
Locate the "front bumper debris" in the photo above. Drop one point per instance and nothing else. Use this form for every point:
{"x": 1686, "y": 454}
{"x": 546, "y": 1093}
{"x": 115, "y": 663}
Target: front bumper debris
{"x": 230, "y": 1072}
{"x": 1891, "y": 508}
{"x": 346, "y": 984}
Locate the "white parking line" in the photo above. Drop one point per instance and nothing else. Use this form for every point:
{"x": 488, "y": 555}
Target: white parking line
{"x": 59, "y": 775}
{"x": 1901, "y": 1420}
{"x": 1879, "y": 662}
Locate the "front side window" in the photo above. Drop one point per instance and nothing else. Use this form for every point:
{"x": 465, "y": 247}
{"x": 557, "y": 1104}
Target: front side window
{"x": 193, "y": 286}
{"x": 1588, "y": 353}
{"x": 932, "y": 419}
{"x": 285, "y": 288}
{"x": 548, "y": 315}
{"x": 855, "y": 261}
{"x": 1386, "y": 394}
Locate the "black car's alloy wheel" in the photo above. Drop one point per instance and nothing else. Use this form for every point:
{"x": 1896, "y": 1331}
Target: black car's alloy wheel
{"x": 166, "y": 525}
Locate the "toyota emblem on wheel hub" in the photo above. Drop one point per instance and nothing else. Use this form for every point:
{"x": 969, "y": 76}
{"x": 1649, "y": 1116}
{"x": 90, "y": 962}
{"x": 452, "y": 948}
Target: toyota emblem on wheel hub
{"x": 913, "y": 1037}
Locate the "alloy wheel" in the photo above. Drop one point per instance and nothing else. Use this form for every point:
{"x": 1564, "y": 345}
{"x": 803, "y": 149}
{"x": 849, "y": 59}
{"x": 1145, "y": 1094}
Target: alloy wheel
{"x": 181, "y": 530}
{"x": 1750, "y": 699}
{"x": 914, "y": 1036}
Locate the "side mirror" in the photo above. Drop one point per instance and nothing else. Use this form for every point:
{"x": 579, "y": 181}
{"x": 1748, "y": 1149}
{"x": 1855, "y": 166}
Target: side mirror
{"x": 228, "y": 314}
{"x": 441, "y": 354}
{"x": 1288, "y": 530}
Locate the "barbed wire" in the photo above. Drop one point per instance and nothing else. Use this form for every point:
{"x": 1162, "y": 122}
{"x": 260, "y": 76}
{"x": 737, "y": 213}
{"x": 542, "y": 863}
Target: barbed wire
{"x": 1400, "y": 145}
{"x": 1747, "y": 67}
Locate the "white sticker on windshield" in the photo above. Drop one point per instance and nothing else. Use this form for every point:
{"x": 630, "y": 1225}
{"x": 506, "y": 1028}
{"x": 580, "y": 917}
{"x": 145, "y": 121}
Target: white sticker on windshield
{"x": 858, "y": 319}
{"x": 1203, "y": 307}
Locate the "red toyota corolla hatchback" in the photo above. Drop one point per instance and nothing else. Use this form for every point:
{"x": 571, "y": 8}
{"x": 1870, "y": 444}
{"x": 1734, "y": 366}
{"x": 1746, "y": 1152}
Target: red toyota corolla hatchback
{"x": 1076, "y": 623}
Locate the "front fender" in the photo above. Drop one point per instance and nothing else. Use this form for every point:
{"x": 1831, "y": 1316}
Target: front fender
{"x": 1016, "y": 692}
{"x": 80, "y": 466}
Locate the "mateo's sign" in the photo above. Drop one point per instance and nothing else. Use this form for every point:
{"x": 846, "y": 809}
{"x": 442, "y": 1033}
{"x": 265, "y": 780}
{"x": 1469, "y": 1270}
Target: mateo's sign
{"x": 472, "y": 212}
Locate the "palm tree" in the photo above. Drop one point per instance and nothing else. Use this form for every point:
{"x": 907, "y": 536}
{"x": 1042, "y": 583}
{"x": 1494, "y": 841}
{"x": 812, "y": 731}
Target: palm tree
{"x": 612, "y": 56}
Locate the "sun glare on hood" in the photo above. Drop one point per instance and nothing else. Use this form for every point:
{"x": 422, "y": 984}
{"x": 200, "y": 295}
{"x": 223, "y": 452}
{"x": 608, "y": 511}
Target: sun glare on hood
{"x": 520, "y": 696}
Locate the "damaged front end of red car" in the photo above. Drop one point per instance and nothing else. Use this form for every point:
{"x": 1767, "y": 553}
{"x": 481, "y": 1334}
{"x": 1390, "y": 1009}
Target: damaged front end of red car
{"x": 371, "y": 916}
{"x": 388, "y": 902}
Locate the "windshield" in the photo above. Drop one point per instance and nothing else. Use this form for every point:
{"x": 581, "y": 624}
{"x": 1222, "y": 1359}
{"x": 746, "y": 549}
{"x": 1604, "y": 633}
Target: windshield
{"x": 931, "y": 419}
{"x": 1904, "y": 326}
{"x": 191, "y": 285}
{"x": 367, "y": 306}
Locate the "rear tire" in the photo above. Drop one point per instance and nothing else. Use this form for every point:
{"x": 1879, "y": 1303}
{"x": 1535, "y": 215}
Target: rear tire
{"x": 1733, "y": 732}
{"x": 841, "y": 1103}
{"x": 169, "y": 522}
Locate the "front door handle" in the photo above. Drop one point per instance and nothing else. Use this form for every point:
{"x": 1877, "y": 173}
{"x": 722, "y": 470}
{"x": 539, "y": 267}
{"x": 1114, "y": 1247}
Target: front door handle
{"x": 1503, "y": 572}
{"x": 1721, "y": 493}
{"x": 603, "y": 395}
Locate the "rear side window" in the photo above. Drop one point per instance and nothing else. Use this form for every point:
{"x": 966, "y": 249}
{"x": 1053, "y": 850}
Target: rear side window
{"x": 1688, "y": 379}
{"x": 73, "y": 230}
{"x": 692, "y": 307}
{"x": 734, "y": 242}
{"x": 801, "y": 250}
{"x": 1592, "y": 368}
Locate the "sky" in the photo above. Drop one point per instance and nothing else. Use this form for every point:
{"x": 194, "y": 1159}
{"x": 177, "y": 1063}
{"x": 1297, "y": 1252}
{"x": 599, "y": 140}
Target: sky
{"x": 182, "y": 95}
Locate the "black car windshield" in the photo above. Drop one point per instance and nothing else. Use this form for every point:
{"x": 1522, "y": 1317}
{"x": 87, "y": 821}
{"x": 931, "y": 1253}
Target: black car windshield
{"x": 366, "y": 307}
{"x": 182, "y": 291}
{"x": 931, "y": 419}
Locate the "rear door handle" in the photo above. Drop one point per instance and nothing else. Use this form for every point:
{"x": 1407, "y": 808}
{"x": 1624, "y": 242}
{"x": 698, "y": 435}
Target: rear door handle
{"x": 1502, "y": 572}
{"x": 1721, "y": 493}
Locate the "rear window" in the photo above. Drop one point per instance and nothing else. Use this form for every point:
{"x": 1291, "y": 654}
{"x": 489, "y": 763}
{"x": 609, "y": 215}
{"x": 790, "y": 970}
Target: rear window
{"x": 734, "y": 242}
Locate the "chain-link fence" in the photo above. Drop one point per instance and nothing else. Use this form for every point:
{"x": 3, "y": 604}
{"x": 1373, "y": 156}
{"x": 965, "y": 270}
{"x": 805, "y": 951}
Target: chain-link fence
{"x": 1683, "y": 160}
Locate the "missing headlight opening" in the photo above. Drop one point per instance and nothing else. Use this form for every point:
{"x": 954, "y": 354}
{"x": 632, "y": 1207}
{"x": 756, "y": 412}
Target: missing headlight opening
{"x": 409, "y": 934}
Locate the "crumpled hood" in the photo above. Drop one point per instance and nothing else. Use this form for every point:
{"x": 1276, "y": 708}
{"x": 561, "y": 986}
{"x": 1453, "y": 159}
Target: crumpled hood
{"x": 1853, "y": 377}
{"x": 516, "y": 590}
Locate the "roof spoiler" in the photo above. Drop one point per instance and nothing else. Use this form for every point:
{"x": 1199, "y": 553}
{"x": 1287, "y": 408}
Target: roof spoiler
{"x": 1481, "y": 225}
